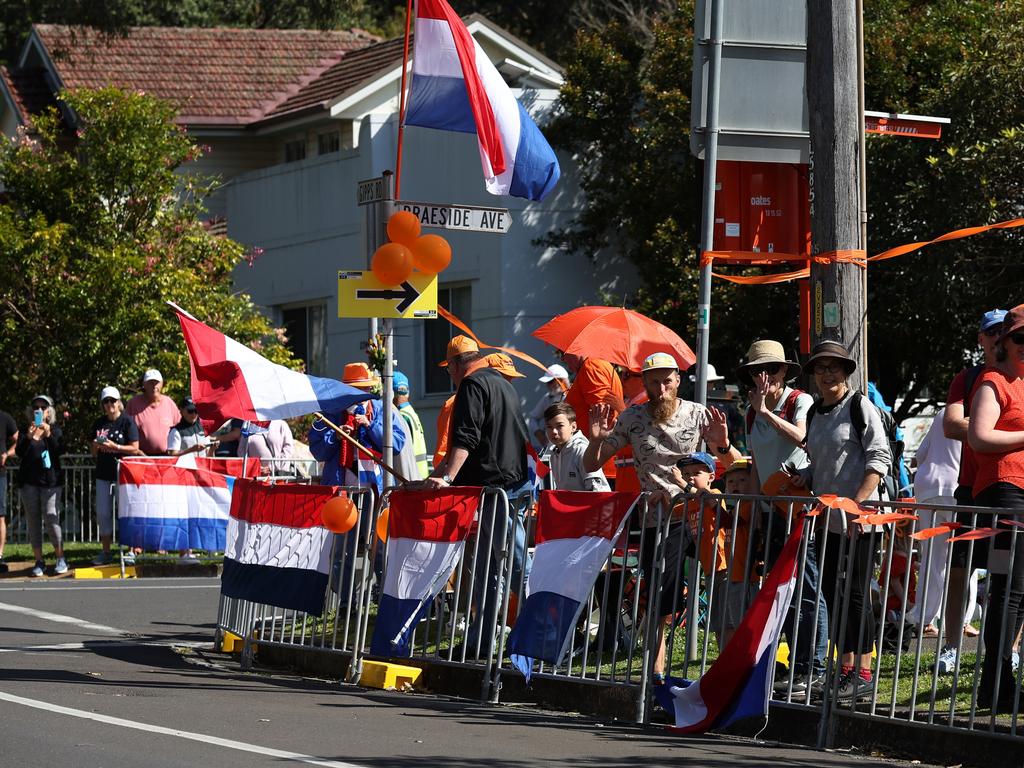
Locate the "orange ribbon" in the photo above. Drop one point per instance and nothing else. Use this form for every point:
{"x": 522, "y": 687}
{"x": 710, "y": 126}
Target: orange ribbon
{"x": 848, "y": 256}
{"x": 469, "y": 332}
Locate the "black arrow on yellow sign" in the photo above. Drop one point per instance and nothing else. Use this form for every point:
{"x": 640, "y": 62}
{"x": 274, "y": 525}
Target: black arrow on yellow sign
{"x": 408, "y": 295}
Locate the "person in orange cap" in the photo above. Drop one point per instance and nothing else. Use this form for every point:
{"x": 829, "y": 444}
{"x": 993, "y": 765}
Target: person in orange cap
{"x": 503, "y": 364}
{"x": 458, "y": 345}
{"x": 595, "y": 382}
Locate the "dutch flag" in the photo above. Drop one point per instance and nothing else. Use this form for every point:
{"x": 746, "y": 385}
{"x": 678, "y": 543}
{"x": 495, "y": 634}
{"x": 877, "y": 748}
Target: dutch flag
{"x": 456, "y": 88}
{"x": 575, "y": 534}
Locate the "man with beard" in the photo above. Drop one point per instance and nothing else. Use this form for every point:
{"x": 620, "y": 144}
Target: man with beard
{"x": 661, "y": 432}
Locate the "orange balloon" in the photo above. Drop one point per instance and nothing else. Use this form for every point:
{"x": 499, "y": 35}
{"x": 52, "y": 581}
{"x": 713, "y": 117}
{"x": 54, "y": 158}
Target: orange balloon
{"x": 431, "y": 254}
{"x": 392, "y": 264}
{"x": 403, "y": 227}
{"x": 340, "y": 514}
{"x": 382, "y": 524}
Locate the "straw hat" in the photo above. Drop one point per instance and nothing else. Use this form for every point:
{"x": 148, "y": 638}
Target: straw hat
{"x": 359, "y": 375}
{"x": 765, "y": 352}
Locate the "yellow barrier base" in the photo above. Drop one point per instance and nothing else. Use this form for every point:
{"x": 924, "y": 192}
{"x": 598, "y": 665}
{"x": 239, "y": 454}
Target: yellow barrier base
{"x": 380, "y": 674}
{"x": 104, "y": 572}
{"x": 232, "y": 643}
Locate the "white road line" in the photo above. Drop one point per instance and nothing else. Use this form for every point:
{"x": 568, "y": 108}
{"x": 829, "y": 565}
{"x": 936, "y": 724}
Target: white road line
{"x": 93, "y": 644}
{"x": 61, "y": 619}
{"x": 200, "y": 737}
{"x": 65, "y": 588}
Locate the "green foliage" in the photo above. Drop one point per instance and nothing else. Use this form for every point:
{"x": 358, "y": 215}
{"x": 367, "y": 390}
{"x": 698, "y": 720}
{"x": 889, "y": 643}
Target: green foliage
{"x": 97, "y": 232}
{"x": 626, "y": 120}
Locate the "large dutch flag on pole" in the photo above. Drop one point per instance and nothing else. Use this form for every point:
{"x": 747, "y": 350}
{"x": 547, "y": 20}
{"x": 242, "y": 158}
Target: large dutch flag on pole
{"x": 576, "y": 531}
{"x": 230, "y": 380}
{"x": 172, "y": 505}
{"x": 426, "y": 536}
{"x": 455, "y": 87}
{"x": 278, "y": 552}
{"x": 738, "y": 683}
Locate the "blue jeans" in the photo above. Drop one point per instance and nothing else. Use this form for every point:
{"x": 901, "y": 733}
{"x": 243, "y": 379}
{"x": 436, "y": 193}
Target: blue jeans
{"x": 800, "y": 620}
{"x": 487, "y": 591}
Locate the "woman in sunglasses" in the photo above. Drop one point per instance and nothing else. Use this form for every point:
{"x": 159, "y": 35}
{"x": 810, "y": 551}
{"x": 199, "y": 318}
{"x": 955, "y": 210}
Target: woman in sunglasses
{"x": 996, "y": 435}
{"x": 114, "y": 435}
{"x": 40, "y": 447}
{"x": 849, "y": 454}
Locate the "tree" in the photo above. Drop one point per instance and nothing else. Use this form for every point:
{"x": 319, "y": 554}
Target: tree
{"x": 626, "y": 120}
{"x": 97, "y": 232}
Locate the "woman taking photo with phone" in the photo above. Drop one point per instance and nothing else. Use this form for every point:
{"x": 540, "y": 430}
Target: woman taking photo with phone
{"x": 114, "y": 436}
{"x": 996, "y": 434}
{"x": 40, "y": 477}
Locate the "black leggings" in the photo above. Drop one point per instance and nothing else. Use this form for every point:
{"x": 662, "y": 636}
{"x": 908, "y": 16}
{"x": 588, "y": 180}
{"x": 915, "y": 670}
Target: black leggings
{"x": 859, "y": 634}
{"x": 1006, "y": 591}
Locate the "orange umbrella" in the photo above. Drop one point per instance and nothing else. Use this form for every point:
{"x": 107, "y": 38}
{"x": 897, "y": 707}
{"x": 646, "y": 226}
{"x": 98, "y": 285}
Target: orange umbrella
{"x": 618, "y": 335}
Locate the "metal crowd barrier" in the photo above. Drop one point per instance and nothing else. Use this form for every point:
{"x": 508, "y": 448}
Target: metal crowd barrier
{"x": 77, "y": 501}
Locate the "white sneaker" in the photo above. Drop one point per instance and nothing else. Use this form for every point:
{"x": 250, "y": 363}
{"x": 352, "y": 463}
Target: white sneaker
{"x": 187, "y": 559}
{"x": 128, "y": 557}
{"x": 61, "y": 566}
{"x": 946, "y": 662}
{"x": 37, "y": 570}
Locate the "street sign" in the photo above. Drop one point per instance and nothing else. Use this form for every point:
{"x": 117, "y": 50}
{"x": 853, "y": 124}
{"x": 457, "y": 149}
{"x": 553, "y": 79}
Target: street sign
{"x": 360, "y": 294}
{"x": 467, "y": 218}
{"x": 370, "y": 191}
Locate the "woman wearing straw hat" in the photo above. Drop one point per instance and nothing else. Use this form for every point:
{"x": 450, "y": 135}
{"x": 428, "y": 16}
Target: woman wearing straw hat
{"x": 776, "y": 425}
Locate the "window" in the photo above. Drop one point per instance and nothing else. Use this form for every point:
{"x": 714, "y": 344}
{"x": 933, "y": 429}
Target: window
{"x": 437, "y": 333}
{"x": 328, "y": 142}
{"x": 294, "y": 150}
{"x": 306, "y": 328}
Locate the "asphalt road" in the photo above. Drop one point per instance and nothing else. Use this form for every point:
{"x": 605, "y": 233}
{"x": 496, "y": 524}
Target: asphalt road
{"x": 102, "y": 674}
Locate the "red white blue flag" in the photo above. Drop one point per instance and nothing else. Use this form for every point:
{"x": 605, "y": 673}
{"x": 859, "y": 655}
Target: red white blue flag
{"x": 278, "y": 552}
{"x": 231, "y": 381}
{"x": 426, "y": 536}
{"x": 738, "y": 683}
{"x": 575, "y": 534}
{"x": 455, "y": 87}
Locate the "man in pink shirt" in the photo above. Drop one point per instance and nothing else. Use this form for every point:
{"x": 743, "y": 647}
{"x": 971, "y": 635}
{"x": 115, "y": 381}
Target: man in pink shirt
{"x": 153, "y": 413}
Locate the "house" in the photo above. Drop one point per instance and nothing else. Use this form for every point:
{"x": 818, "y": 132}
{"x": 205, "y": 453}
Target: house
{"x": 292, "y": 120}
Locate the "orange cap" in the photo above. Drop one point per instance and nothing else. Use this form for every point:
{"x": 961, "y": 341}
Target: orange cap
{"x": 457, "y": 346}
{"x": 359, "y": 375}
{"x": 503, "y": 364}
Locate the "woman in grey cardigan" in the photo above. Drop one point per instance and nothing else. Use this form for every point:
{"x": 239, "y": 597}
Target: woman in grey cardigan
{"x": 849, "y": 455}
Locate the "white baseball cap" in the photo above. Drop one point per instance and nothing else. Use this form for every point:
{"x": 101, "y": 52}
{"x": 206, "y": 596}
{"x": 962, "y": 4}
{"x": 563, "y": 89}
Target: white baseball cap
{"x": 152, "y": 375}
{"x": 110, "y": 392}
{"x": 555, "y": 371}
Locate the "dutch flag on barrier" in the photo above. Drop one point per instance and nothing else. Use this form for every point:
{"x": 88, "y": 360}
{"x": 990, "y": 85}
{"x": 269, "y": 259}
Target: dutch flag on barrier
{"x": 575, "y": 534}
{"x": 536, "y": 470}
{"x": 738, "y": 683}
{"x": 174, "y": 504}
{"x": 426, "y": 535}
{"x": 278, "y": 552}
{"x": 230, "y": 380}
{"x": 455, "y": 87}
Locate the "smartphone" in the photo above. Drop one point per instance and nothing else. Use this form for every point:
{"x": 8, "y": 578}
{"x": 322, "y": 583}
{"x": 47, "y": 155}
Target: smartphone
{"x": 37, "y": 418}
{"x": 101, "y": 438}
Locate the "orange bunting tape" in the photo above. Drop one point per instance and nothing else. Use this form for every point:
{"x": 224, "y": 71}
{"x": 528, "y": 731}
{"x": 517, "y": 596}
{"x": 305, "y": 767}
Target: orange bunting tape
{"x": 845, "y": 256}
{"x": 469, "y": 332}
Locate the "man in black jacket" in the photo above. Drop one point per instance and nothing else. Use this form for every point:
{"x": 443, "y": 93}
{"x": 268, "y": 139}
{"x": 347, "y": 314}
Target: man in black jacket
{"x": 487, "y": 448}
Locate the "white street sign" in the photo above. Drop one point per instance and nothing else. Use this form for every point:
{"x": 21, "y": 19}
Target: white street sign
{"x": 468, "y": 218}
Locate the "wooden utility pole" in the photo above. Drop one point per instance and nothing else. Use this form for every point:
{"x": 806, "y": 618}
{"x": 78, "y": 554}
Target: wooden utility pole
{"x": 838, "y": 300}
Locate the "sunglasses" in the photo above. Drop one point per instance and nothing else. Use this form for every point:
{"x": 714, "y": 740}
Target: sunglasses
{"x": 823, "y": 368}
{"x": 770, "y": 368}
{"x": 108, "y": 401}
{"x": 1017, "y": 338}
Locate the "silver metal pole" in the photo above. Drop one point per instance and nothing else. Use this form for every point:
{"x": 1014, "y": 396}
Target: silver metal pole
{"x": 387, "y": 395}
{"x": 707, "y": 239}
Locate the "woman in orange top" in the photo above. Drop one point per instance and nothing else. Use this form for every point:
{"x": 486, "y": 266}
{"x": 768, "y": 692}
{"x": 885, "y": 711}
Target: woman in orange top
{"x": 996, "y": 434}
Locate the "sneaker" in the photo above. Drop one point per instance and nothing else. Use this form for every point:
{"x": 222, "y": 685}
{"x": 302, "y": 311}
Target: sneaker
{"x": 946, "y": 662}
{"x": 853, "y": 688}
{"x": 37, "y": 570}
{"x": 1015, "y": 662}
{"x": 804, "y": 682}
{"x": 103, "y": 558}
{"x": 4, "y": 568}
{"x": 128, "y": 557}
{"x": 61, "y": 566}
{"x": 187, "y": 559}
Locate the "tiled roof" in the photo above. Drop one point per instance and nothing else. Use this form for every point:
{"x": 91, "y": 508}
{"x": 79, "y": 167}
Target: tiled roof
{"x": 338, "y": 79}
{"x": 29, "y": 90}
{"x": 214, "y": 76}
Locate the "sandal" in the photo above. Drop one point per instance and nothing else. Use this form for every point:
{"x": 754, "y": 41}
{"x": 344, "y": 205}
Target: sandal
{"x": 930, "y": 631}
{"x": 658, "y": 678}
{"x": 970, "y": 630}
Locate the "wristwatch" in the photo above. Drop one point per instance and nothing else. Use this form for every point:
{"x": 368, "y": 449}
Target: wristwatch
{"x": 447, "y": 479}
{"x": 724, "y": 449}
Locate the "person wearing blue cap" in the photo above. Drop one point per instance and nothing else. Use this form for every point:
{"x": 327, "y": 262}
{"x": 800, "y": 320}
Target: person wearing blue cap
{"x": 955, "y": 422}
{"x": 412, "y": 421}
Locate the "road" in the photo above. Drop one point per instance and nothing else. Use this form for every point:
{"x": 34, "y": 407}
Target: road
{"x": 105, "y": 675}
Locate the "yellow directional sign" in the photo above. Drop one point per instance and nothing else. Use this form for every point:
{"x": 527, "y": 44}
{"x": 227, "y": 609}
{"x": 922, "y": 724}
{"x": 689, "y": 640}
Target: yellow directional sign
{"x": 360, "y": 294}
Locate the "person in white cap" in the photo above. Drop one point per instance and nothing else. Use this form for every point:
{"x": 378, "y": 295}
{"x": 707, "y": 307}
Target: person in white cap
{"x": 661, "y": 432}
{"x": 153, "y": 413}
{"x": 113, "y": 435}
{"x": 556, "y": 378}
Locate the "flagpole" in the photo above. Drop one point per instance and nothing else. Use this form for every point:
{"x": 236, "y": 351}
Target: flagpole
{"x": 401, "y": 100}
{"x": 359, "y": 446}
